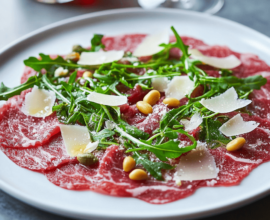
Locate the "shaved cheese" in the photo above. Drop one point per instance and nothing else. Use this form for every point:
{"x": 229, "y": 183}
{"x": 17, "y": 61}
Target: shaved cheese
{"x": 38, "y": 102}
{"x": 198, "y": 164}
{"x": 160, "y": 83}
{"x": 91, "y": 147}
{"x": 228, "y": 62}
{"x": 150, "y": 44}
{"x": 100, "y": 57}
{"x": 225, "y": 102}
{"x": 111, "y": 100}
{"x": 76, "y": 139}
{"x": 194, "y": 122}
{"x": 179, "y": 87}
{"x": 237, "y": 125}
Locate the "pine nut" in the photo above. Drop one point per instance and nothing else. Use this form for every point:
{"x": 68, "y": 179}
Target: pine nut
{"x": 87, "y": 74}
{"x": 144, "y": 107}
{"x": 171, "y": 102}
{"x": 138, "y": 174}
{"x": 152, "y": 97}
{"x": 60, "y": 71}
{"x": 236, "y": 144}
{"x": 74, "y": 56}
{"x": 128, "y": 164}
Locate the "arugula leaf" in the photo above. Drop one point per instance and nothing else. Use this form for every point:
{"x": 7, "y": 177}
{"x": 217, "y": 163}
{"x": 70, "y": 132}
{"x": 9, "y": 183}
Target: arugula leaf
{"x": 132, "y": 130}
{"x": 169, "y": 119}
{"x": 105, "y": 133}
{"x": 163, "y": 151}
{"x": 96, "y": 43}
{"x": 154, "y": 168}
{"x": 46, "y": 62}
{"x": 211, "y": 134}
{"x": 52, "y": 87}
{"x": 242, "y": 84}
{"x": 72, "y": 77}
{"x": 179, "y": 43}
{"x": 6, "y": 92}
{"x": 58, "y": 107}
{"x": 170, "y": 133}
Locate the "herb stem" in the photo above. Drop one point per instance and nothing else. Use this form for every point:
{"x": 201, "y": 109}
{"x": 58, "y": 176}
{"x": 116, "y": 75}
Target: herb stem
{"x": 134, "y": 150}
{"x": 154, "y": 136}
{"x": 100, "y": 123}
{"x": 207, "y": 129}
{"x": 108, "y": 143}
{"x": 107, "y": 112}
{"x": 51, "y": 87}
{"x": 153, "y": 76}
{"x": 210, "y": 116}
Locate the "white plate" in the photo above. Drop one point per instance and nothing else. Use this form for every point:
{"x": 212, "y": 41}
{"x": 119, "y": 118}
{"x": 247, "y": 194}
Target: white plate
{"x": 34, "y": 189}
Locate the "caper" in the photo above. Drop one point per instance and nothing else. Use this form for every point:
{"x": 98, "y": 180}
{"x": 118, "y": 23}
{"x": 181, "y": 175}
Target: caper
{"x": 87, "y": 159}
{"x": 77, "y": 48}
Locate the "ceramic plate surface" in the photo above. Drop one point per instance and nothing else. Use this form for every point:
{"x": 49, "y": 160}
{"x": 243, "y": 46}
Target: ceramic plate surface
{"x": 34, "y": 189}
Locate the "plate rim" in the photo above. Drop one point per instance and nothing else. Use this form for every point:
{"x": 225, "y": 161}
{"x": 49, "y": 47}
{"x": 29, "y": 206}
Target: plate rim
{"x": 248, "y": 198}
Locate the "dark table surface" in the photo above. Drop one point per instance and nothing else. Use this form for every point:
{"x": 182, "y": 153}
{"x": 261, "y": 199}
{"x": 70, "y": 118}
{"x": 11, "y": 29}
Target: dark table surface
{"x": 19, "y": 17}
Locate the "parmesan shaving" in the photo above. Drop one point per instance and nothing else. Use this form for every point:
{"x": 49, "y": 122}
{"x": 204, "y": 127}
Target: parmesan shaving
{"x": 38, "y": 102}
{"x": 237, "y": 126}
{"x": 91, "y": 147}
{"x": 76, "y": 139}
{"x": 228, "y": 62}
{"x": 160, "y": 83}
{"x": 225, "y": 102}
{"x": 100, "y": 57}
{"x": 179, "y": 87}
{"x": 110, "y": 100}
{"x": 194, "y": 122}
{"x": 150, "y": 44}
{"x": 198, "y": 164}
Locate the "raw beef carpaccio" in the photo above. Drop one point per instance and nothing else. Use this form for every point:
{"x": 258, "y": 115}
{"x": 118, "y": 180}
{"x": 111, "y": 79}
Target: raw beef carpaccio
{"x": 36, "y": 143}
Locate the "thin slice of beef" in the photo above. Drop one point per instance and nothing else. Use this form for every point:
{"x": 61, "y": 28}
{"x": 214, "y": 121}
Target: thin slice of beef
{"x": 21, "y": 131}
{"x": 260, "y": 107}
{"x": 42, "y": 158}
{"x": 126, "y": 42}
{"x": 28, "y": 72}
{"x": 109, "y": 178}
{"x": 151, "y": 122}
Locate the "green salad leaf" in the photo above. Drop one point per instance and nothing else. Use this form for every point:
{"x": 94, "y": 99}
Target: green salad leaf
{"x": 6, "y": 93}
{"x": 154, "y": 168}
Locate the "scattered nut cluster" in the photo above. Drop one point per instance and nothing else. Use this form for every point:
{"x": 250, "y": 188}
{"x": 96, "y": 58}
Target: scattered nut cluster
{"x": 137, "y": 174}
{"x": 149, "y": 100}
